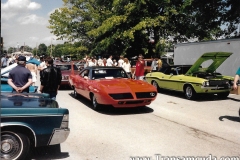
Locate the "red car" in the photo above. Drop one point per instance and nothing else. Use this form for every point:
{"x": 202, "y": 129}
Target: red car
{"x": 111, "y": 86}
{"x": 66, "y": 70}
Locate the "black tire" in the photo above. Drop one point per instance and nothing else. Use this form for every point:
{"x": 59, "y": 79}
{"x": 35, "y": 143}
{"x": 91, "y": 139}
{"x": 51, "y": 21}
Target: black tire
{"x": 223, "y": 95}
{"x": 189, "y": 92}
{"x": 95, "y": 104}
{"x": 75, "y": 94}
{"x": 155, "y": 84}
{"x": 14, "y": 146}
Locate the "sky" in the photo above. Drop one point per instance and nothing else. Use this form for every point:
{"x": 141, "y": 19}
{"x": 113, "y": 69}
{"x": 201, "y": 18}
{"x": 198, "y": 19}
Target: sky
{"x": 26, "y": 21}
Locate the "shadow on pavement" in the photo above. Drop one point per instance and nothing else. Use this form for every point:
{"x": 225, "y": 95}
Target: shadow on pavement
{"x": 48, "y": 152}
{"x": 109, "y": 110}
{"x": 200, "y": 97}
{"x": 231, "y": 118}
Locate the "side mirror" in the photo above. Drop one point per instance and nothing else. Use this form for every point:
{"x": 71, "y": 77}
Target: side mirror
{"x": 171, "y": 74}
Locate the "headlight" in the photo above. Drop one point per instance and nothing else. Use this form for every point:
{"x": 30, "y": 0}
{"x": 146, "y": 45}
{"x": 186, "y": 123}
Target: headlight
{"x": 206, "y": 83}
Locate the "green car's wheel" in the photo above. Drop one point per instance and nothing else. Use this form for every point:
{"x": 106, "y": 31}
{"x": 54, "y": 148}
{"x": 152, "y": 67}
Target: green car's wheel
{"x": 223, "y": 95}
{"x": 189, "y": 92}
{"x": 95, "y": 104}
{"x": 155, "y": 84}
{"x": 14, "y": 146}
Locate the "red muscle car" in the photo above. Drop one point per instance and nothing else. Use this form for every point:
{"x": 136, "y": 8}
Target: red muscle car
{"x": 111, "y": 86}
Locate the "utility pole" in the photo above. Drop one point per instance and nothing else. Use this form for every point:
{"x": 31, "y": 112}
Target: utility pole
{"x": 36, "y": 49}
{"x": 51, "y": 48}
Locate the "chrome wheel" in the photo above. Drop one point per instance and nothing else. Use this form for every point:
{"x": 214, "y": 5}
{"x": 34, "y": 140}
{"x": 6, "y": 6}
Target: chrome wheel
{"x": 14, "y": 146}
{"x": 95, "y": 103}
{"x": 189, "y": 92}
{"x": 155, "y": 84}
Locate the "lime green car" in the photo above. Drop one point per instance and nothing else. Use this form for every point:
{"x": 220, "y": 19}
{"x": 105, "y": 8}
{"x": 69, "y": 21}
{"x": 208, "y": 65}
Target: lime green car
{"x": 199, "y": 78}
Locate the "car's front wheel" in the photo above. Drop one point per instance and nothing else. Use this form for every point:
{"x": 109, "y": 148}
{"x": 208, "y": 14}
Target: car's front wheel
{"x": 189, "y": 92}
{"x": 14, "y": 146}
{"x": 155, "y": 84}
{"x": 95, "y": 104}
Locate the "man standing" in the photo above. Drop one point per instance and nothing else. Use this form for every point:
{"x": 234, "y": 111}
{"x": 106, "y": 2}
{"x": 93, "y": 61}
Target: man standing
{"x": 4, "y": 61}
{"x": 139, "y": 71}
{"x": 236, "y": 78}
{"x": 50, "y": 78}
{"x": 109, "y": 61}
{"x": 120, "y": 61}
{"x": 100, "y": 62}
{"x": 20, "y": 78}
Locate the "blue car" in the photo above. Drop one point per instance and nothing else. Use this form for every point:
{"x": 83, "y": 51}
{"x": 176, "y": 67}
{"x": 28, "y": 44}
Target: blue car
{"x": 30, "y": 120}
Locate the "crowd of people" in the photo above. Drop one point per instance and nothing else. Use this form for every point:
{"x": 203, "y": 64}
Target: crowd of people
{"x": 25, "y": 74}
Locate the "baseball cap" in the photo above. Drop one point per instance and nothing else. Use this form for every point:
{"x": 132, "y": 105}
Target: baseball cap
{"x": 22, "y": 58}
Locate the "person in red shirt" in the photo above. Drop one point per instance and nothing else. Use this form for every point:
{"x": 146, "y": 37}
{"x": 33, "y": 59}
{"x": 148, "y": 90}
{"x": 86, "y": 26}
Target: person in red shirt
{"x": 139, "y": 71}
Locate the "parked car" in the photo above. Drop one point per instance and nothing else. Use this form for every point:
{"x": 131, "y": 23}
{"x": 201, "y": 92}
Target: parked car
{"x": 30, "y": 120}
{"x": 66, "y": 70}
{"x": 200, "y": 78}
{"x": 111, "y": 86}
{"x": 5, "y": 87}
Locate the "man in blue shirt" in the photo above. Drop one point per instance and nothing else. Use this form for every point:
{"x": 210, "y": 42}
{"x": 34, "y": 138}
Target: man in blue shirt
{"x": 20, "y": 78}
{"x": 236, "y": 78}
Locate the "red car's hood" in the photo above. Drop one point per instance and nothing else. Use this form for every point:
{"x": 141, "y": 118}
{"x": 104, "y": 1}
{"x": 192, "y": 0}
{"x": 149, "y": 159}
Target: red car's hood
{"x": 123, "y": 85}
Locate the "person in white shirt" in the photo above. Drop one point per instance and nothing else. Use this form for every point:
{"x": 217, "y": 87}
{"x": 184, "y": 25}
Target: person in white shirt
{"x": 42, "y": 65}
{"x": 109, "y": 61}
{"x": 100, "y": 62}
{"x": 115, "y": 63}
{"x": 154, "y": 65}
{"x": 120, "y": 61}
{"x": 91, "y": 63}
{"x": 127, "y": 67}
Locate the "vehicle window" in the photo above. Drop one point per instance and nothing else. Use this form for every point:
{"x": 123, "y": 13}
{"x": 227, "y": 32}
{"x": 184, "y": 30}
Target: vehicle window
{"x": 109, "y": 73}
{"x": 167, "y": 71}
{"x": 66, "y": 67}
{"x": 85, "y": 73}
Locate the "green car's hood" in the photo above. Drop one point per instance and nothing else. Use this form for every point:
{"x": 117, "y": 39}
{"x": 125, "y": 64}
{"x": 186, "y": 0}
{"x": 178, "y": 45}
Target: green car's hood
{"x": 217, "y": 57}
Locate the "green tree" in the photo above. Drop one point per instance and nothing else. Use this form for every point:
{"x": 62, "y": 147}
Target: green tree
{"x": 42, "y": 49}
{"x": 117, "y": 27}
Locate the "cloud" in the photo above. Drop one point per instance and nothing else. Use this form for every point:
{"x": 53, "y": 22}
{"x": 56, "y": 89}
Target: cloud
{"x": 17, "y": 7}
{"x": 34, "y": 38}
{"x": 32, "y": 19}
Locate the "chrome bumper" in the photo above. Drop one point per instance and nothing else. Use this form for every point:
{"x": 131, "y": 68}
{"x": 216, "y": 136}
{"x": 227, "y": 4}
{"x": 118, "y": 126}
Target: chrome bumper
{"x": 59, "y": 136}
{"x": 215, "y": 88}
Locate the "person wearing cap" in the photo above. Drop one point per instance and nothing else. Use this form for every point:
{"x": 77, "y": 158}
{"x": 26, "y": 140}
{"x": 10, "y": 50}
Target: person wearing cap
{"x": 20, "y": 78}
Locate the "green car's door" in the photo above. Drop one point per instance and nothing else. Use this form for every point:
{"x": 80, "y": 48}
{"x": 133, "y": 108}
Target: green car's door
{"x": 169, "y": 79}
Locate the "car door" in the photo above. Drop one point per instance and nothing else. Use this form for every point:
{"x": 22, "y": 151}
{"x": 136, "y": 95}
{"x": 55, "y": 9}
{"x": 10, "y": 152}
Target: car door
{"x": 85, "y": 82}
{"x": 170, "y": 79}
{"x": 80, "y": 82}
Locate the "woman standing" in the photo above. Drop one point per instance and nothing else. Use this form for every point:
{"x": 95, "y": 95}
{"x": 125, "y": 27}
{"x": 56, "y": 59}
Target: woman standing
{"x": 127, "y": 67}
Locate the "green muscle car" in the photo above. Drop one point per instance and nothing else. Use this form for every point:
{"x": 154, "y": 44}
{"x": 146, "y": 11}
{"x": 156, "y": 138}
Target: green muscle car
{"x": 30, "y": 120}
{"x": 200, "y": 78}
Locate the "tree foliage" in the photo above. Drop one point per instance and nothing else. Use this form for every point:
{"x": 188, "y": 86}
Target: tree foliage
{"x": 125, "y": 27}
